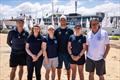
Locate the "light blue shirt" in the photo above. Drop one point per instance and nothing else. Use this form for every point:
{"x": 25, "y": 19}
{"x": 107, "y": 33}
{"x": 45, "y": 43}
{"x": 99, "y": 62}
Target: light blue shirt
{"x": 97, "y": 44}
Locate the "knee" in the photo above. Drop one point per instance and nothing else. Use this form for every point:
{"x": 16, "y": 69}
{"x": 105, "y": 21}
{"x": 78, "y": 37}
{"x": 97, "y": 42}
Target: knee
{"x": 91, "y": 74}
{"x": 21, "y": 68}
{"x": 47, "y": 72}
{"x": 13, "y": 70}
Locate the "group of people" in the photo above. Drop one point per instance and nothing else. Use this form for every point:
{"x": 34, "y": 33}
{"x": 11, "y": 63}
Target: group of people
{"x": 59, "y": 45}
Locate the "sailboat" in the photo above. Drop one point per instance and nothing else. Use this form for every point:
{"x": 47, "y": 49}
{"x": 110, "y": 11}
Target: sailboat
{"x": 87, "y": 23}
{"x": 26, "y": 25}
{"x": 4, "y": 26}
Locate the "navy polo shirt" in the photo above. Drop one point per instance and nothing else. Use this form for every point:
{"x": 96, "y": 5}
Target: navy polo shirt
{"x": 35, "y": 43}
{"x": 17, "y": 41}
{"x": 77, "y": 43}
{"x": 52, "y": 47}
{"x": 62, "y": 36}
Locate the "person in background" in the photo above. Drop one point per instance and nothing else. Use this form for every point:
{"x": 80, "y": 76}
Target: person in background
{"x": 50, "y": 51}
{"x": 76, "y": 48}
{"x": 98, "y": 46}
{"x": 34, "y": 51}
{"x": 16, "y": 39}
{"x": 62, "y": 34}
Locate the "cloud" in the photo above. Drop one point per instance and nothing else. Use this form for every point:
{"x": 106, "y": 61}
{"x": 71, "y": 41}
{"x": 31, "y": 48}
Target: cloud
{"x": 36, "y": 9}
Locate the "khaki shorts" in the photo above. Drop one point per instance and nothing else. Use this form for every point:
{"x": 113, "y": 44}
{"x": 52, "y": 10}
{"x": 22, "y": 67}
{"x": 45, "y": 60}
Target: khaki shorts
{"x": 53, "y": 62}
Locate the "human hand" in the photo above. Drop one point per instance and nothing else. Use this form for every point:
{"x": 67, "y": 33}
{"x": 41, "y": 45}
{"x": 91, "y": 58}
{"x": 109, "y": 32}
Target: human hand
{"x": 34, "y": 57}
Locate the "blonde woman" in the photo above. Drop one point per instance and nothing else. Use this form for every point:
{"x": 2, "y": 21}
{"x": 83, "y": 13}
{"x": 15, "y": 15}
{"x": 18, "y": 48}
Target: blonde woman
{"x": 76, "y": 48}
{"x": 50, "y": 52}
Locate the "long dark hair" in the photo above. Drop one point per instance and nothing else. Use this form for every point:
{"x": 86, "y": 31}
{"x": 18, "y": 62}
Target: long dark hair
{"x": 32, "y": 29}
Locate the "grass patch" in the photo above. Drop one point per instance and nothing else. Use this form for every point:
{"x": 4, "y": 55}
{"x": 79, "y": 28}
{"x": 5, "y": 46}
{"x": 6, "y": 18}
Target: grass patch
{"x": 114, "y": 37}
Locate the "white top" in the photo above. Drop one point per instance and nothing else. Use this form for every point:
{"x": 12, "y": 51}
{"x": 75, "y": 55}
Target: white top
{"x": 97, "y": 44}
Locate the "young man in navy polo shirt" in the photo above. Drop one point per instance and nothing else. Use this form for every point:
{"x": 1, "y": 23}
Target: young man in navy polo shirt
{"x": 62, "y": 34}
{"x": 16, "y": 40}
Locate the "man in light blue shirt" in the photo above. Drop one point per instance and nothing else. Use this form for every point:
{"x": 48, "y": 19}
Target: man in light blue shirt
{"x": 97, "y": 49}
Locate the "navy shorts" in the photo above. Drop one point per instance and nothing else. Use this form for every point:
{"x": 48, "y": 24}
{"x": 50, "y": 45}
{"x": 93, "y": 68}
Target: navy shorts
{"x": 64, "y": 57}
{"x": 19, "y": 59}
{"x": 81, "y": 61}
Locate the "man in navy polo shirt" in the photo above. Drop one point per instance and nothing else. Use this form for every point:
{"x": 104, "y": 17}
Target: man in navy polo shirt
{"x": 16, "y": 40}
{"x": 62, "y": 34}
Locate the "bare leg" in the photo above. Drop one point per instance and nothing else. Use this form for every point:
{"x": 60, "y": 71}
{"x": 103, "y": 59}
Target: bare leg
{"x": 81, "y": 73}
{"x": 53, "y": 73}
{"x": 20, "y": 72}
{"x": 101, "y": 77}
{"x": 91, "y": 76}
{"x": 12, "y": 73}
{"x": 59, "y": 73}
{"x": 73, "y": 67}
{"x": 47, "y": 74}
{"x": 68, "y": 74}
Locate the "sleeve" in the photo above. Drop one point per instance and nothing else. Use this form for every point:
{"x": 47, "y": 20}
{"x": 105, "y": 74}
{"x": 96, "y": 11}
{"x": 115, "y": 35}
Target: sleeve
{"x": 107, "y": 41}
{"x": 55, "y": 34}
{"x": 27, "y": 35}
{"x": 84, "y": 39}
{"x": 44, "y": 39}
{"x": 71, "y": 31}
{"x": 28, "y": 40}
{"x": 70, "y": 39}
{"x": 87, "y": 40}
{"x": 9, "y": 38}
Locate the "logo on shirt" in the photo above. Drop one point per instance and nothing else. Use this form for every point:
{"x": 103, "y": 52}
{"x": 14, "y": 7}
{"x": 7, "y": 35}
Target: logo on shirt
{"x": 23, "y": 34}
{"x": 38, "y": 39}
{"x": 99, "y": 37}
{"x": 79, "y": 40}
{"x": 18, "y": 36}
{"x": 59, "y": 33}
{"x": 66, "y": 33}
{"x": 55, "y": 41}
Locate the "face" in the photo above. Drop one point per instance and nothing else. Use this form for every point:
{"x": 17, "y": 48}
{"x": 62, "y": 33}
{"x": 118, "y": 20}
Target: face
{"x": 94, "y": 26}
{"x": 51, "y": 31}
{"x": 20, "y": 24}
{"x": 77, "y": 29}
{"x": 36, "y": 30}
{"x": 63, "y": 22}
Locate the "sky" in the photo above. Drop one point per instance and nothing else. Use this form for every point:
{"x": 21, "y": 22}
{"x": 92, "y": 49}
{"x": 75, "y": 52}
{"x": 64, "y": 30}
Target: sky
{"x": 38, "y": 8}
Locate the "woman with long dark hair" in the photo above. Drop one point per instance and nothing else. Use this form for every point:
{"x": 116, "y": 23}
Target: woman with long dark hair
{"x": 34, "y": 51}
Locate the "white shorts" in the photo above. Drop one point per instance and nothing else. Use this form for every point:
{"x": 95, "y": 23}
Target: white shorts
{"x": 52, "y": 62}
